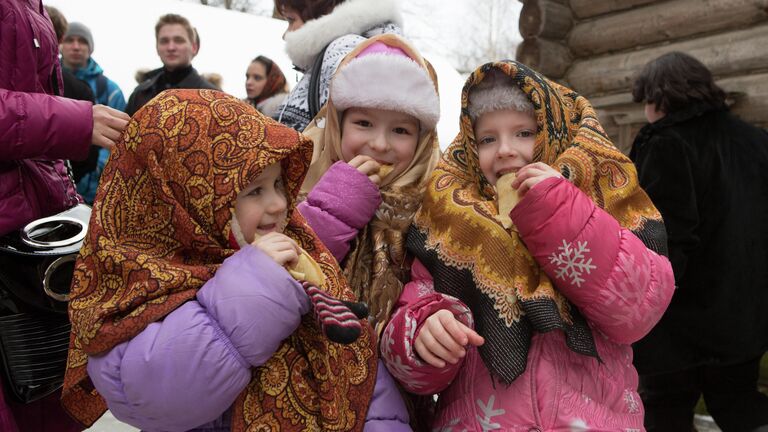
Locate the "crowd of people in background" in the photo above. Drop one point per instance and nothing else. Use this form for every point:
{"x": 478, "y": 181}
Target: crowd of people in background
{"x": 308, "y": 259}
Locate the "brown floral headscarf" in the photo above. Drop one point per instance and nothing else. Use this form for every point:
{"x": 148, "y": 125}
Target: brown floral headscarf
{"x": 160, "y": 229}
{"x": 472, "y": 257}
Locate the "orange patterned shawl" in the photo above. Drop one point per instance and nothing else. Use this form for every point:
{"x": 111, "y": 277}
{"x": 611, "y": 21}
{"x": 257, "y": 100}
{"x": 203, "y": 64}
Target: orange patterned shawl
{"x": 471, "y": 256}
{"x": 159, "y": 230}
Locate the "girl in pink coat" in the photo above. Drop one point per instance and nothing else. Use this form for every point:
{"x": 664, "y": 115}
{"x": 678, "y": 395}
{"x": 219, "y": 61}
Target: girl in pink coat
{"x": 529, "y": 328}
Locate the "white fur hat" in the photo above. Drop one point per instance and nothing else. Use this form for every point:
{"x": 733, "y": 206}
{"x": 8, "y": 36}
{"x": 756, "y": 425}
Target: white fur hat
{"x": 384, "y": 77}
{"x": 495, "y": 93}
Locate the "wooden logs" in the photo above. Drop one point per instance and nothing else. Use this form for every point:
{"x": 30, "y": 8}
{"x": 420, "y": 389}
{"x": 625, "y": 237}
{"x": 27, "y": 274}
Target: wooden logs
{"x": 548, "y": 57}
{"x": 735, "y": 52}
{"x": 662, "y": 21}
{"x": 751, "y": 97}
{"x": 545, "y": 18}
{"x": 590, "y": 8}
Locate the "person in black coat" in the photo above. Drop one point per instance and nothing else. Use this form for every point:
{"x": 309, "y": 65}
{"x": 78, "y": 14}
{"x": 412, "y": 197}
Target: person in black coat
{"x": 177, "y": 43}
{"x": 707, "y": 173}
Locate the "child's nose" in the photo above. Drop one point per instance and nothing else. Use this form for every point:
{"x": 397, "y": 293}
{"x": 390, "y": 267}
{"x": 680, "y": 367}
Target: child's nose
{"x": 506, "y": 149}
{"x": 277, "y": 204}
{"x": 379, "y": 143}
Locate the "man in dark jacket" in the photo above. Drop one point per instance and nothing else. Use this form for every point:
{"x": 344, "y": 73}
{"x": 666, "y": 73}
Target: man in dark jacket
{"x": 707, "y": 173}
{"x": 74, "y": 88}
{"x": 177, "y": 45}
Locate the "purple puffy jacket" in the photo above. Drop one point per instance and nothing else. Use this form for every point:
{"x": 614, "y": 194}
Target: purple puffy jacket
{"x": 36, "y": 128}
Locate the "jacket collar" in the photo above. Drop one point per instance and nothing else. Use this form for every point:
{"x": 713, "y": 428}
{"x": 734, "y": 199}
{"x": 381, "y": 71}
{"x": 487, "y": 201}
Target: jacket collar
{"x": 350, "y": 17}
{"x": 154, "y": 75}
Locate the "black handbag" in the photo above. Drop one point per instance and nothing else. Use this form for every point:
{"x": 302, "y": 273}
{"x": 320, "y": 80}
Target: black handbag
{"x": 36, "y": 267}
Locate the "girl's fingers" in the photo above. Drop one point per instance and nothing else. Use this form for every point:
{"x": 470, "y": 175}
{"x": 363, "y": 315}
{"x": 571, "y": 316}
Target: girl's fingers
{"x": 359, "y": 160}
{"x": 473, "y": 337}
{"x": 369, "y": 167}
{"x": 375, "y": 179}
{"x": 453, "y": 329}
{"x": 284, "y": 257}
{"x": 437, "y": 349}
{"x": 425, "y": 355}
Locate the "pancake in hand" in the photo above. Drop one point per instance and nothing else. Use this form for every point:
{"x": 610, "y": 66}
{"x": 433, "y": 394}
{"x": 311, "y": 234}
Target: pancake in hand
{"x": 308, "y": 270}
{"x": 385, "y": 170}
{"x": 507, "y": 198}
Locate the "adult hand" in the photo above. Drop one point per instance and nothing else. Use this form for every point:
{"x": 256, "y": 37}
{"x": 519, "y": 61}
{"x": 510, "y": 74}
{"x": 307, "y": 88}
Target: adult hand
{"x": 442, "y": 339}
{"x": 368, "y": 166}
{"x": 108, "y": 125}
{"x": 531, "y": 175}
{"x": 278, "y": 246}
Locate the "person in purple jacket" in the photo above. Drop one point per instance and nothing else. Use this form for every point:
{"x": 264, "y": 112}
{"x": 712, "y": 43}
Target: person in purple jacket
{"x": 187, "y": 309}
{"x": 38, "y": 129}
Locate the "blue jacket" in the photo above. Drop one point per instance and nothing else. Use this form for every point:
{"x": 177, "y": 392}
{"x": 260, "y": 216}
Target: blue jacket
{"x": 107, "y": 93}
{"x": 110, "y": 94}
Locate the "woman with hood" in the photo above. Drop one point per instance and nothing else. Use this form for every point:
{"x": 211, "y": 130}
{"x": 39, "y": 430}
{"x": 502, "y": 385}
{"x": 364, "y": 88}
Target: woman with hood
{"x": 320, "y": 34}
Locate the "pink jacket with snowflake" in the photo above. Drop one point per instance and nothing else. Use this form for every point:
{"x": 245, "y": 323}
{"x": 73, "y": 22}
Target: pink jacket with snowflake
{"x": 623, "y": 295}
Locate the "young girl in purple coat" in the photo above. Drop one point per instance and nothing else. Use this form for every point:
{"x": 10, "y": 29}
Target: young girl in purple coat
{"x": 185, "y": 312}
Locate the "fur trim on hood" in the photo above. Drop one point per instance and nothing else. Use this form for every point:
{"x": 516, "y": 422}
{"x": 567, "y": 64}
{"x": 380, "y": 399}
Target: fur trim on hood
{"x": 350, "y": 17}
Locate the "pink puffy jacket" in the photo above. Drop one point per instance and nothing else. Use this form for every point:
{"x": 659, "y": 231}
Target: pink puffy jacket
{"x": 622, "y": 298}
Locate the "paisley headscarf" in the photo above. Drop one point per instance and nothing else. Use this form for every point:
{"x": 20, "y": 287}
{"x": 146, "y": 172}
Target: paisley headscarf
{"x": 376, "y": 265}
{"x": 159, "y": 230}
{"x": 472, "y": 257}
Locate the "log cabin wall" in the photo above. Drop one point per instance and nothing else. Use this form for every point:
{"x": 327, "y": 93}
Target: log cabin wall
{"x": 597, "y": 46}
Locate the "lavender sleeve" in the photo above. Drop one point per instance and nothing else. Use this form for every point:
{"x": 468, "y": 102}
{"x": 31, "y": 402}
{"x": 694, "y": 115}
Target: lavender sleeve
{"x": 202, "y": 353}
{"x": 340, "y": 204}
{"x": 387, "y": 411}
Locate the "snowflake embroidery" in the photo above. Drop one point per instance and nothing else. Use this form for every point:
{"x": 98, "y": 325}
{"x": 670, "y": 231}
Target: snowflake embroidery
{"x": 448, "y": 427}
{"x": 387, "y": 342}
{"x": 400, "y": 370}
{"x": 424, "y": 289}
{"x": 625, "y": 294}
{"x": 633, "y": 406}
{"x": 571, "y": 262}
{"x": 488, "y": 414}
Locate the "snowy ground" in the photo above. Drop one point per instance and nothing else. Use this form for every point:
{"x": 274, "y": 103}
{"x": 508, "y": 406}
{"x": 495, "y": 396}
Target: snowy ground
{"x": 108, "y": 423}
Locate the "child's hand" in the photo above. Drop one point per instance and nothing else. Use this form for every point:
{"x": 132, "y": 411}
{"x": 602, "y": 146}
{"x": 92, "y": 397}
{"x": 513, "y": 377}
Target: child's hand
{"x": 279, "y": 247}
{"x": 442, "y": 339}
{"x": 531, "y": 175}
{"x": 368, "y": 166}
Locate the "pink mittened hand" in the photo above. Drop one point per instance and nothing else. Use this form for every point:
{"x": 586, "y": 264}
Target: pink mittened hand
{"x": 443, "y": 339}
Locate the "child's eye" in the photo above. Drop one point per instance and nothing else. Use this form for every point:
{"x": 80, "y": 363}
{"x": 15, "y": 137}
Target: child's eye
{"x": 486, "y": 140}
{"x": 401, "y": 131}
{"x": 255, "y": 192}
{"x": 526, "y": 134}
{"x": 363, "y": 123}
{"x": 279, "y": 185}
